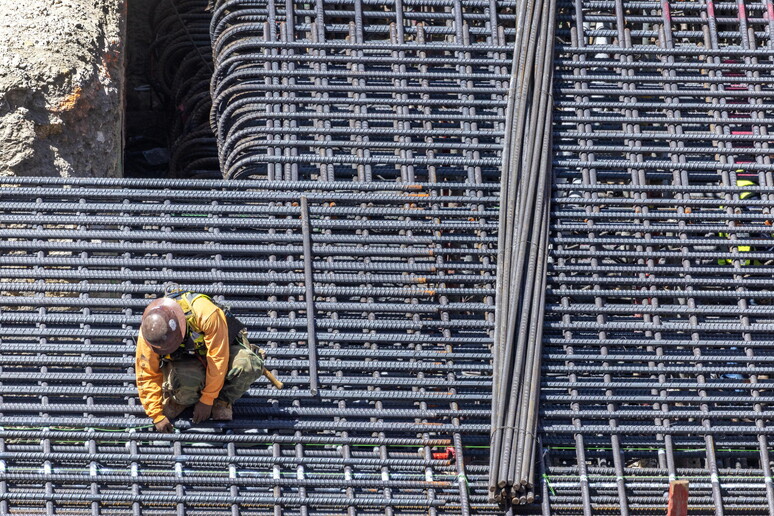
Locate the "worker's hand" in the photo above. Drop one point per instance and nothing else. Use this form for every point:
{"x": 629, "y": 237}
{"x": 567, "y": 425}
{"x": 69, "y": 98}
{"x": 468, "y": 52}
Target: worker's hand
{"x": 164, "y": 426}
{"x": 201, "y": 412}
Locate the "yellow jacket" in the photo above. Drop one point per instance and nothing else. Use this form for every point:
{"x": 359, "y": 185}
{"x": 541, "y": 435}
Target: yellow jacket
{"x": 212, "y": 322}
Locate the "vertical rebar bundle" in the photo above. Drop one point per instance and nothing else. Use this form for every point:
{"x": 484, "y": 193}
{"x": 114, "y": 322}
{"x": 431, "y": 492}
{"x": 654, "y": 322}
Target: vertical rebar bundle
{"x": 522, "y": 251}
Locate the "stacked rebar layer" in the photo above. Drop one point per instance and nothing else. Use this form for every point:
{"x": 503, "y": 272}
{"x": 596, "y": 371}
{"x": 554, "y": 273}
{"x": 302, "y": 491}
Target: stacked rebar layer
{"x": 658, "y": 338}
{"x": 523, "y": 242}
{"x": 375, "y": 306}
{"x": 181, "y": 68}
{"x": 361, "y": 90}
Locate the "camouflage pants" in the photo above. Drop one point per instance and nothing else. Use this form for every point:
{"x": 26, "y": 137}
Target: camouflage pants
{"x": 184, "y": 379}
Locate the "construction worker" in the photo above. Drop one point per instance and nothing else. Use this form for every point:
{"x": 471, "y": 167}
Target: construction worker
{"x": 743, "y": 196}
{"x": 192, "y": 353}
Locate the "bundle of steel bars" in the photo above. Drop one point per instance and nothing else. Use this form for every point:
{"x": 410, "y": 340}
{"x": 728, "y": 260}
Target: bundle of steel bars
{"x": 181, "y": 69}
{"x": 361, "y": 90}
{"x": 374, "y": 304}
{"x": 659, "y": 319}
{"x": 523, "y": 241}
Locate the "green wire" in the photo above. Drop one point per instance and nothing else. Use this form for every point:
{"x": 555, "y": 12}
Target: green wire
{"x": 548, "y": 483}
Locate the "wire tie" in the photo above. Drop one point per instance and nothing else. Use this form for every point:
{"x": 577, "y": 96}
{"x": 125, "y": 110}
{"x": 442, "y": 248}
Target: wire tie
{"x": 548, "y": 483}
{"x": 509, "y": 427}
{"x": 463, "y": 480}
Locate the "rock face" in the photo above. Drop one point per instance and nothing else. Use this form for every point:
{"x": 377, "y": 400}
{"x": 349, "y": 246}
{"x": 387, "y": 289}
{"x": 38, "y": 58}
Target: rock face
{"x": 61, "y": 87}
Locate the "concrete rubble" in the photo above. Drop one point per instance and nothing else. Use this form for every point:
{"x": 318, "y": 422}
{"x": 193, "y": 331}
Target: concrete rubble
{"x": 61, "y": 87}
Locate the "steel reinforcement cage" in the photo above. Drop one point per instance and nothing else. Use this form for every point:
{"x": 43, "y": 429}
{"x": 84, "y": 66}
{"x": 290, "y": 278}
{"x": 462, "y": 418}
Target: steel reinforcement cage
{"x": 658, "y": 336}
{"x": 361, "y": 90}
{"x": 373, "y": 294}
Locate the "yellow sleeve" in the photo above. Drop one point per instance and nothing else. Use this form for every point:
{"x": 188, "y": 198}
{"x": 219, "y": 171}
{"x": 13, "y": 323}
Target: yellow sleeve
{"x": 149, "y": 379}
{"x": 212, "y": 322}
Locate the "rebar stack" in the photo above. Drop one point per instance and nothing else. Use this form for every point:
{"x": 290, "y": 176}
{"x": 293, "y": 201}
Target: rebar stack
{"x": 658, "y": 332}
{"x": 181, "y": 67}
{"x": 361, "y": 90}
{"x": 523, "y": 243}
{"x": 381, "y": 336}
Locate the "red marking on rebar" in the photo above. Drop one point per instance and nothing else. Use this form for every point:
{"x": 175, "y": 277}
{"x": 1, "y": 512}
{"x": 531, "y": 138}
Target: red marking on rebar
{"x": 665, "y": 9}
{"x": 742, "y": 11}
{"x": 678, "y": 498}
{"x": 710, "y": 9}
{"x": 770, "y": 10}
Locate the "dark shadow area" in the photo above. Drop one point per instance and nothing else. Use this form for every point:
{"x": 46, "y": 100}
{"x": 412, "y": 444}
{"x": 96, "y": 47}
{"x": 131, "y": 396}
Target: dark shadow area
{"x": 168, "y": 102}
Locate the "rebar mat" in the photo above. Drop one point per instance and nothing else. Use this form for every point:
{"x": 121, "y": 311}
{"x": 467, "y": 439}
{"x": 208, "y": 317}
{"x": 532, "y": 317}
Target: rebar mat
{"x": 403, "y": 280}
{"x": 659, "y": 319}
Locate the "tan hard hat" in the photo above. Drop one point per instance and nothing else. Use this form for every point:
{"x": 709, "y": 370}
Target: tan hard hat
{"x": 163, "y": 325}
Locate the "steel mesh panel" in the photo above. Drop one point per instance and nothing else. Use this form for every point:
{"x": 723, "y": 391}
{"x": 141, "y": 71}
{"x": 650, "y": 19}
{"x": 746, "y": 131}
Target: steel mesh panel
{"x": 403, "y": 280}
{"x": 361, "y": 90}
{"x": 659, "y": 323}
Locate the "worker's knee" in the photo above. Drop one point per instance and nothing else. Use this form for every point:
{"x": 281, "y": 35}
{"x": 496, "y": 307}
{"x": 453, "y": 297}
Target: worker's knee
{"x": 186, "y": 381}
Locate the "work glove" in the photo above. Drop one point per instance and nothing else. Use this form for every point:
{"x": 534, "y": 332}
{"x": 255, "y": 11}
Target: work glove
{"x": 164, "y": 426}
{"x": 237, "y": 369}
{"x": 201, "y": 412}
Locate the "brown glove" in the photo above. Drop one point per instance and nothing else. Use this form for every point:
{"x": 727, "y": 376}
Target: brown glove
{"x": 164, "y": 426}
{"x": 201, "y": 412}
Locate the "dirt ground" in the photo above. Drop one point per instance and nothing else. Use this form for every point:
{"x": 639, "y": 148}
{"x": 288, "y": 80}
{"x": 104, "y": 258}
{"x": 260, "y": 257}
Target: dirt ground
{"x": 61, "y": 87}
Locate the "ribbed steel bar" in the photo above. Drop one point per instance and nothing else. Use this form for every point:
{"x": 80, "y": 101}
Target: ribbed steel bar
{"x": 401, "y": 91}
{"x": 656, "y": 346}
{"x": 402, "y": 299}
{"x": 523, "y": 242}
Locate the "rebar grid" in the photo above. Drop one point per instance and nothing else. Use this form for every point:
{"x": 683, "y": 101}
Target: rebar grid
{"x": 403, "y": 283}
{"x": 354, "y": 90}
{"x": 658, "y": 319}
